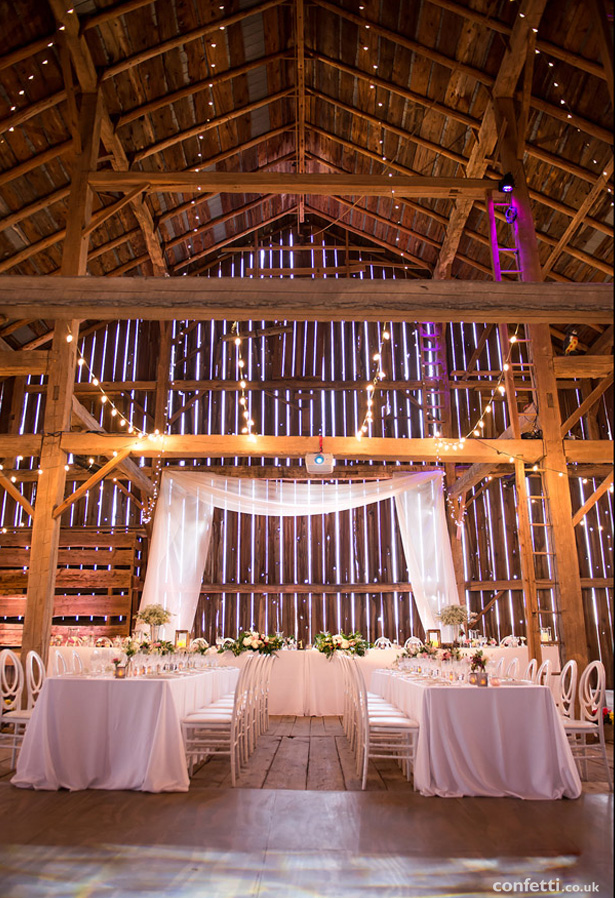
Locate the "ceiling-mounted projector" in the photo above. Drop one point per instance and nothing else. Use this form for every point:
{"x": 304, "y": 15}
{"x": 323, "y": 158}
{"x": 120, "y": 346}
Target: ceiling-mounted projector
{"x": 319, "y": 463}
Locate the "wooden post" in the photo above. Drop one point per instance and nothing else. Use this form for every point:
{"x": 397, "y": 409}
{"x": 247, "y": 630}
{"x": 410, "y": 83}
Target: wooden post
{"x": 571, "y": 624}
{"x": 58, "y": 405}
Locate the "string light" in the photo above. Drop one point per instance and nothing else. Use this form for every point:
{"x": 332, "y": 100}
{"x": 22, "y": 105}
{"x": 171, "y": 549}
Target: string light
{"x": 248, "y": 422}
{"x": 378, "y": 376}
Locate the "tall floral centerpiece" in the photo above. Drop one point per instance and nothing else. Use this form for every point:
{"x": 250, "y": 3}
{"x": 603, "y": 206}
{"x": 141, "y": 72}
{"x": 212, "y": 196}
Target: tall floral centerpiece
{"x": 155, "y": 616}
{"x": 454, "y": 616}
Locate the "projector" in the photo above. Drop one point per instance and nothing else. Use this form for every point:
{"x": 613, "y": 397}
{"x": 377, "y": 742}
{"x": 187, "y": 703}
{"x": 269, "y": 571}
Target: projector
{"x": 319, "y": 463}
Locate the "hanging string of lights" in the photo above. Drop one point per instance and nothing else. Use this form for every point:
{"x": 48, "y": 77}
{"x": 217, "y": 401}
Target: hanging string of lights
{"x": 244, "y": 404}
{"x": 384, "y": 335}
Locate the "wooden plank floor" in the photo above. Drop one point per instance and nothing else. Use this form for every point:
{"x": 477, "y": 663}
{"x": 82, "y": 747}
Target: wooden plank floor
{"x": 307, "y": 753}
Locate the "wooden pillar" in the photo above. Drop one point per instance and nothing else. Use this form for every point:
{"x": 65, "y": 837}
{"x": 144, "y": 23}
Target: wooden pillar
{"x": 571, "y": 625}
{"x": 163, "y": 367}
{"x": 58, "y": 403}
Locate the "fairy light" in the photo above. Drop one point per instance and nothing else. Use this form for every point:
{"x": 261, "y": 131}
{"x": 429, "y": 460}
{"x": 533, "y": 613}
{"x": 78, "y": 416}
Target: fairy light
{"x": 377, "y": 377}
{"x": 247, "y": 423}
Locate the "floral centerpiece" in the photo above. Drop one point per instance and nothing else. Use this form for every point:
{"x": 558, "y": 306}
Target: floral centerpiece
{"x": 162, "y": 647}
{"x": 420, "y": 651}
{"x": 155, "y": 616}
{"x": 449, "y": 653}
{"x": 478, "y": 661}
{"x": 607, "y": 716}
{"x": 253, "y": 641}
{"x": 455, "y": 616}
{"x": 198, "y": 646}
{"x": 352, "y": 643}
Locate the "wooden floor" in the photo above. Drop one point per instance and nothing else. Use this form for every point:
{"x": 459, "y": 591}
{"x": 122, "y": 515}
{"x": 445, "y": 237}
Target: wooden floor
{"x": 298, "y": 826}
{"x": 303, "y": 753}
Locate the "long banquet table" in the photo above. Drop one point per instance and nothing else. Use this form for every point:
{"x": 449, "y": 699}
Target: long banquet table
{"x": 506, "y": 741}
{"x": 306, "y": 683}
{"x": 103, "y": 733}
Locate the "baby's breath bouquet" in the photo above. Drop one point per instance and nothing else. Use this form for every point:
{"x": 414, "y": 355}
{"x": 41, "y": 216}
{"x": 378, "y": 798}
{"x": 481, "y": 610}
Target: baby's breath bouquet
{"x": 154, "y": 614}
{"x": 453, "y": 615}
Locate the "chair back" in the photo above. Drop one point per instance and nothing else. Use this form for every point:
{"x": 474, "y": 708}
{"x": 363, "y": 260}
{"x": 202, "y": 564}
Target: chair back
{"x": 35, "y": 676}
{"x": 508, "y": 640}
{"x": 568, "y": 688}
{"x": 513, "y": 668}
{"x": 383, "y": 643}
{"x": 412, "y": 640}
{"x": 77, "y": 662}
{"x": 591, "y": 692}
{"x": 530, "y": 671}
{"x": 544, "y": 673}
{"x": 498, "y": 667}
{"x": 59, "y": 664}
{"x": 11, "y": 681}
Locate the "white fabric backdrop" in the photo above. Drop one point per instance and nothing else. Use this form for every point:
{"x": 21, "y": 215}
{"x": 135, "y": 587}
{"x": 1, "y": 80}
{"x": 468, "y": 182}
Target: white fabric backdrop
{"x": 184, "y": 513}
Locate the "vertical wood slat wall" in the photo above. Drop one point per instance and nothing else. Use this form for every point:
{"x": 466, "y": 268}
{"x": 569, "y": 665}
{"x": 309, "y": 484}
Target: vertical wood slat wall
{"x": 359, "y": 547}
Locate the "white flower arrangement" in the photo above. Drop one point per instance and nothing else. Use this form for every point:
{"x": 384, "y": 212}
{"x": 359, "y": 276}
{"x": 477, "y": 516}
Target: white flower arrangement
{"x": 198, "y": 645}
{"x": 453, "y": 615}
{"x": 154, "y": 614}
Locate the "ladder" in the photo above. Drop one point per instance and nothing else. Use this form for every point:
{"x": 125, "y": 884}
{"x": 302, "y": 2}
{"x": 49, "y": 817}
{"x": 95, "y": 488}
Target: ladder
{"x": 435, "y": 396}
{"x": 534, "y": 522}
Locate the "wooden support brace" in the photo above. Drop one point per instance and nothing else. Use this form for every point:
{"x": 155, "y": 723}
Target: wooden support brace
{"x": 580, "y": 514}
{"x": 93, "y": 480}
{"x": 12, "y": 490}
{"x": 585, "y": 406}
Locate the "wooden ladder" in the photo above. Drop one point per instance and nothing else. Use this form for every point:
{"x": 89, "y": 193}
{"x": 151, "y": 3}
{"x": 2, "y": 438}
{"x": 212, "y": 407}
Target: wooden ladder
{"x": 434, "y": 375}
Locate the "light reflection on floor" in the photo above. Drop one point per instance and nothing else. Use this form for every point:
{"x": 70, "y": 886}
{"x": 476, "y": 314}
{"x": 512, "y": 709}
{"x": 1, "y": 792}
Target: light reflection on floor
{"x": 114, "y": 871}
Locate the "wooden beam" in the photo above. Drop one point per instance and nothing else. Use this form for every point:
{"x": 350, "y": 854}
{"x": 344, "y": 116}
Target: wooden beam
{"x": 40, "y": 159}
{"x": 579, "y": 218}
{"x": 600, "y": 491}
{"x": 587, "y": 404}
{"x": 180, "y": 40}
{"x": 31, "y": 111}
{"x": 582, "y": 366}
{"x": 212, "y": 124}
{"x": 528, "y": 17}
{"x": 14, "y": 364}
{"x": 12, "y": 490}
{"x": 87, "y": 77}
{"x": 132, "y": 471}
{"x": 605, "y": 39}
{"x": 101, "y": 298}
{"x": 96, "y": 477}
{"x": 288, "y": 183}
{"x": 527, "y": 422}
{"x": 300, "y": 99}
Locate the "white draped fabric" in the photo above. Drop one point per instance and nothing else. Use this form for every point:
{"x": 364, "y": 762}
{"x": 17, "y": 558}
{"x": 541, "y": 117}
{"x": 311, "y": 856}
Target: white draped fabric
{"x": 184, "y": 514}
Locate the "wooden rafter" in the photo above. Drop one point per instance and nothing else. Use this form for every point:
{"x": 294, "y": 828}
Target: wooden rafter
{"x": 605, "y": 38}
{"x": 578, "y": 219}
{"x": 528, "y": 17}
{"x": 87, "y": 78}
{"x": 301, "y": 97}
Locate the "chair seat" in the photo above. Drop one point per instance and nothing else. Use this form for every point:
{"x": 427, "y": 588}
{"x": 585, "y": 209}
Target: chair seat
{"x": 393, "y": 722}
{"x": 17, "y": 716}
{"x": 580, "y": 726}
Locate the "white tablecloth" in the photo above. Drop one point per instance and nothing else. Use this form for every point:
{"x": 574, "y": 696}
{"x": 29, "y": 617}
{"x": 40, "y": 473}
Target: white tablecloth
{"x": 506, "y": 741}
{"x": 306, "y": 683}
{"x": 103, "y": 733}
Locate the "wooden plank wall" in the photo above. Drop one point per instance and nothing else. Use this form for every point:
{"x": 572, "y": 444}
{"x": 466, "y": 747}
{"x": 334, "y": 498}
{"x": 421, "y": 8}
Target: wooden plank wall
{"x": 352, "y": 552}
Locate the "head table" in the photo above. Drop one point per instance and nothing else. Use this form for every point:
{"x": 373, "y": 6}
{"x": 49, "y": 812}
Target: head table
{"x": 105, "y": 733}
{"x": 308, "y": 684}
{"x": 493, "y": 741}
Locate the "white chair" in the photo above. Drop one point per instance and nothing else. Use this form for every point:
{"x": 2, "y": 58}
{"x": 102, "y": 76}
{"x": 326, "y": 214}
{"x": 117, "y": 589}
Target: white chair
{"x": 590, "y": 724}
{"x": 530, "y": 671}
{"x": 60, "y": 667}
{"x": 12, "y": 715}
{"x": 383, "y": 731}
{"x": 509, "y": 640}
{"x": 412, "y": 640}
{"x": 513, "y": 669}
{"x": 497, "y": 668}
{"x": 35, "y": 676}
{"x": 383, "y": 643}
{"x": 567, "y": 689}
{"x": 543, "y": 673}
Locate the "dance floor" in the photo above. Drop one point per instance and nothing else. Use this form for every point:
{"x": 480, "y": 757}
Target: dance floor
{"x": 296, "y": 826}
